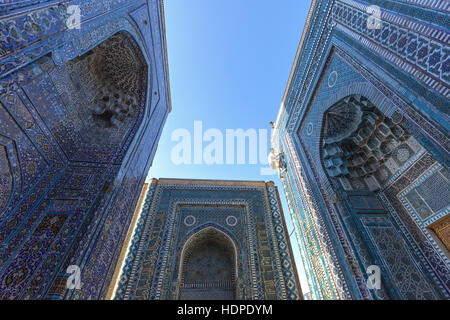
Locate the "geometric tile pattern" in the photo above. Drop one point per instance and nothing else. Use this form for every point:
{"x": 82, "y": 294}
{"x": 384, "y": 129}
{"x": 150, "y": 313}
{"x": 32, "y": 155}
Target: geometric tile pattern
{"x": 429, "y": 254}
{"x": 177, "y": 211}
{"x": 408, "y": 280}
{"x": 286, "y": 262}
{"x": 67, "y": 195}
{"x": 415, "y": 47}
{"x": 402, "y": 68}
{"x": 428, "y": 196}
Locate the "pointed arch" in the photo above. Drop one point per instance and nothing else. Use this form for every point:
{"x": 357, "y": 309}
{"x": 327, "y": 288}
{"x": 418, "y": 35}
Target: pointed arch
{"x": 364, "y": 153}
{"x": 360, "y": 147}
{"x": 208, "y": 265}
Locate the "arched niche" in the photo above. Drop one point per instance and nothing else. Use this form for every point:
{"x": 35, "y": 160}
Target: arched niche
{"x": 98, "y": 101}
{"x": 103, "y": 94}
{"x": 384, "y": 177}
{"x": 361, "y": 148}
{"x": 208, "y": 267}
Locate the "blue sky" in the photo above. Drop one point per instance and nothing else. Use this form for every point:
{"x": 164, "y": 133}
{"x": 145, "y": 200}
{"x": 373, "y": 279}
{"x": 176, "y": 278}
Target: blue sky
{"x": 229, "y": 62}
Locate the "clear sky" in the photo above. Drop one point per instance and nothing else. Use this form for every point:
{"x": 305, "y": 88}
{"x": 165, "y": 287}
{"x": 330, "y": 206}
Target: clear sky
{"x": 229, "y": 62}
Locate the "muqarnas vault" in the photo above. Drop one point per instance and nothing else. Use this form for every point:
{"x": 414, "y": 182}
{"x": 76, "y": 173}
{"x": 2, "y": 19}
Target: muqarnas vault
{"x": 82, "y": 107}
{"x": 363, "y": 128}
{"x": 208, "y": 239}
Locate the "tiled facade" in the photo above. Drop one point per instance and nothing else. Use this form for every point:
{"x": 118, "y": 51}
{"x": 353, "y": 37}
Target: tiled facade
{"x": 363, "y": 128}
{"x": 198, "y": 239}
{"x": 81, "y": 112}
